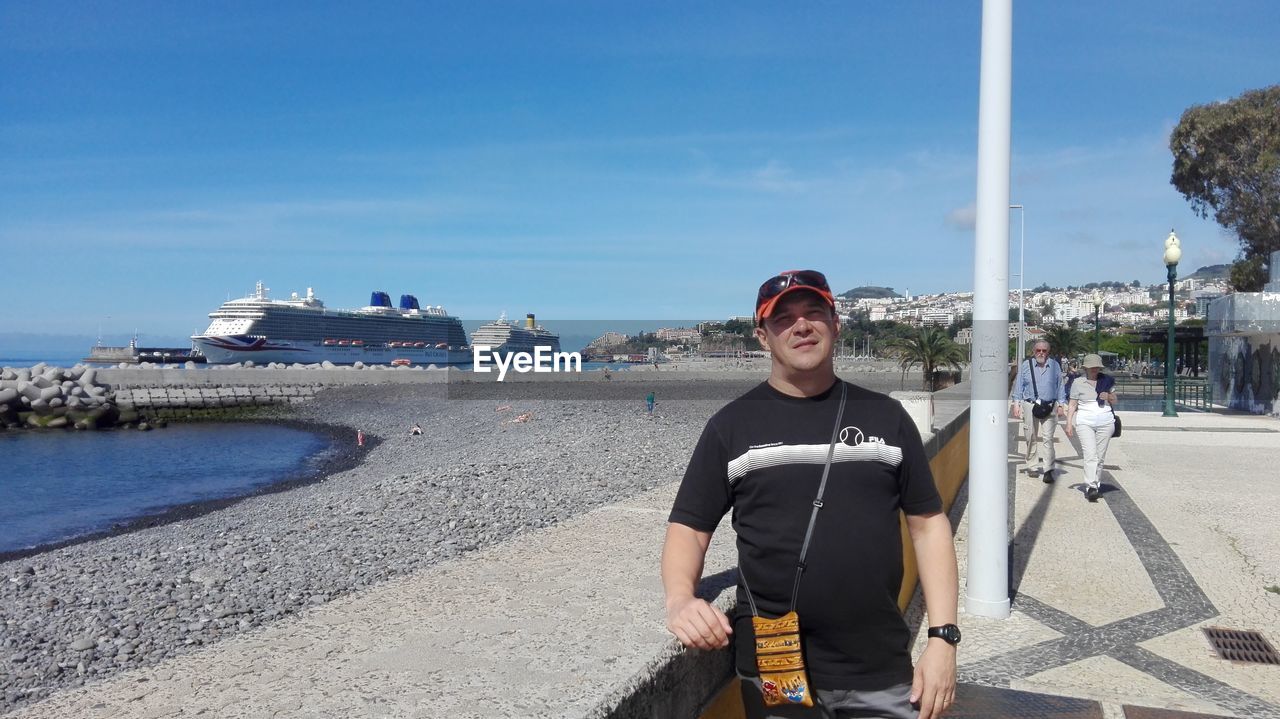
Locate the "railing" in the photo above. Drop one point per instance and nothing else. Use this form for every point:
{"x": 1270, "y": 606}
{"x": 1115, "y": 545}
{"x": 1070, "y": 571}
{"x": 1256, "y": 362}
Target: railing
{"x": 1147, "y": 394}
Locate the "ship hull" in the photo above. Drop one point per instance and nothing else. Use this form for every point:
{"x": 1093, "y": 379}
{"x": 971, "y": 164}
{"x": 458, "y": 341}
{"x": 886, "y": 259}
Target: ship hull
{"x": 259, "y": 350}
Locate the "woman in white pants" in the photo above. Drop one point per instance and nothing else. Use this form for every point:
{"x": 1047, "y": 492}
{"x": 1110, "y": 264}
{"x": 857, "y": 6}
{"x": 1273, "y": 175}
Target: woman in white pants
{"x": 1089, "y": 413}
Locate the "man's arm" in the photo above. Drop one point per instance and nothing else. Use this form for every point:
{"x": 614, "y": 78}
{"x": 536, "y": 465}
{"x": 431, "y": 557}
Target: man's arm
{"x": 695, "y": 622}
{"x": 1019, "y": 390}
{"x": 934, "y": 685}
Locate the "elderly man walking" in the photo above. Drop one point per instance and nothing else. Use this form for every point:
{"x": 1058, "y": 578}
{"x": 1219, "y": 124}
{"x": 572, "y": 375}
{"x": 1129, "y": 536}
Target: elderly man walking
{"x": 1039, "y": 399}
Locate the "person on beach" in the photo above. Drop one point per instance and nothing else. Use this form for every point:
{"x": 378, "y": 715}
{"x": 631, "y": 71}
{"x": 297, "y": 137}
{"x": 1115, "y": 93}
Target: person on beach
{"x": 1039, "y": 382}
{"x": 415, "y": 430}
{"x": 1089, "y": 411}
{"x": 649, "y": 400}
{"x": 805, "y": 449}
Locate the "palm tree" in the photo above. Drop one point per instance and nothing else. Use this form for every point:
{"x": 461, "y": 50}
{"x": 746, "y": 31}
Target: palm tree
{"x": 929, "y": 347}
{"x": 1065, "y": 341}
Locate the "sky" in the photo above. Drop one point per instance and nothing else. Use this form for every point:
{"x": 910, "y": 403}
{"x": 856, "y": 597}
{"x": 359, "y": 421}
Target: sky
{"x": 580, "y": 160}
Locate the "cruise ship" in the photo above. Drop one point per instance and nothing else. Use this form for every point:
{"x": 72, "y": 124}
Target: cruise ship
{"x": 505, "y": 337}
{"x": 302, "y": 329}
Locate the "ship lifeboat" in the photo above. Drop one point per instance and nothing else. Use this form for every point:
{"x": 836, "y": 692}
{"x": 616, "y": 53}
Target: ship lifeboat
{"x": 393, "y": 343}
{"x": 419, "y": 344}
{"x": 442, "y": 345}
{"x": 343, "y": 343}
{"x": 400, "y": 362}
{"x": 330, "y": 343}
{"x": 357, "y": 343}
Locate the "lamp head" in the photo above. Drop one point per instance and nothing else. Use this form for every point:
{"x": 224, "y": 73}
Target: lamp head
{"x": 1172, "y": 249}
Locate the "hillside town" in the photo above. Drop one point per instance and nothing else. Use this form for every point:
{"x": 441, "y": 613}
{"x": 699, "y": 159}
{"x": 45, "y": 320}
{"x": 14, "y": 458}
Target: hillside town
{"x": 1120, "y": 308}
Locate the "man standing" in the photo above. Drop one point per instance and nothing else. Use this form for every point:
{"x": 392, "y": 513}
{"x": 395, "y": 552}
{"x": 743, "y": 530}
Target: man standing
{"x": 765, "y": 455}
{"x": 1039, "y": 382}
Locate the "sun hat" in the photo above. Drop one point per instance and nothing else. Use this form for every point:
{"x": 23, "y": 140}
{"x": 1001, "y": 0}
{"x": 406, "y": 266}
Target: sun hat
{"x": 1091, "y": 360}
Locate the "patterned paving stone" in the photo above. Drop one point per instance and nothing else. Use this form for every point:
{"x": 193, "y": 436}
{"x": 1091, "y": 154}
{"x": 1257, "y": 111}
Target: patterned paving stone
{"x": 974, "y": 701}
{"x": 1131, "y": 712}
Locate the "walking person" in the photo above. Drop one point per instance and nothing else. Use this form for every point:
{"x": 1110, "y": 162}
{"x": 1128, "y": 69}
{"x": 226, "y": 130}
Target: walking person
{"x": 1090, "y": 412}
{"x": 649, "y": 401}
{"x": 1038, "y": 398}
{"x": 815, "y": 471}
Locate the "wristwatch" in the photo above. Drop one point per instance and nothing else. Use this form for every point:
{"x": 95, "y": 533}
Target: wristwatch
{"x": 948, "y": 633}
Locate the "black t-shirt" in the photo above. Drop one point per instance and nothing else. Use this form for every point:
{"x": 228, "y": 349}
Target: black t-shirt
{"x": 762, "y": 455}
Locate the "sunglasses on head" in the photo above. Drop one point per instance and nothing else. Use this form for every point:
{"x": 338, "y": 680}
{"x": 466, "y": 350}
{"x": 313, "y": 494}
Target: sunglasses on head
{"x": 775, "y": 286}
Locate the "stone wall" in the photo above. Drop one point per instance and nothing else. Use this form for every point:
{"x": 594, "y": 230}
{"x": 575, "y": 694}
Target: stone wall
{"x": 181, "y": 401}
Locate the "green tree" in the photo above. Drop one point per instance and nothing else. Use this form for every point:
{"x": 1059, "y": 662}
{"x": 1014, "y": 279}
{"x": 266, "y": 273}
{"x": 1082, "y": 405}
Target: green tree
{"x": 1226, "y": 162}
{"x": 1029, "y": 316}
{"x": 929, "y": 347}
{"x": 1066, "y": 341}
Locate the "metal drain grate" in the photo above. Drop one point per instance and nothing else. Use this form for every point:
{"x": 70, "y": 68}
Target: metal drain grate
{"x": 1241, "y": 646}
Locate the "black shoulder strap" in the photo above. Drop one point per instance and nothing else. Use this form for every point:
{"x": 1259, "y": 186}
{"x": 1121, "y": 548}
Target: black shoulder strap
{"x": 1031, "y": 373}
{"x": 817, "y": 502}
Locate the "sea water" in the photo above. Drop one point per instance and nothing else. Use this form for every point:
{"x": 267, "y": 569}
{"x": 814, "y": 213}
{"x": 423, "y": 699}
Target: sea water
{"x": 57, "y": 485}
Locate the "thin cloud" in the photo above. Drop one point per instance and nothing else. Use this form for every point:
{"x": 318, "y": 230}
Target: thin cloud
{"x": 964, "y": 218}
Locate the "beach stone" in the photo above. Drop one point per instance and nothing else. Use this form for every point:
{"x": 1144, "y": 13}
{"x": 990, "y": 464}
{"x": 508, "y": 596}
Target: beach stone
{"x": 83, "y": 644}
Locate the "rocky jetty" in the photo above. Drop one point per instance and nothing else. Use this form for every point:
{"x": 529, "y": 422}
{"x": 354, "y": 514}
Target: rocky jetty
{"x": 45, "y": 397}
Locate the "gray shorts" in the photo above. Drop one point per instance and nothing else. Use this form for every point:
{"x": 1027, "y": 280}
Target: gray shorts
{"x": 891, "y": 703}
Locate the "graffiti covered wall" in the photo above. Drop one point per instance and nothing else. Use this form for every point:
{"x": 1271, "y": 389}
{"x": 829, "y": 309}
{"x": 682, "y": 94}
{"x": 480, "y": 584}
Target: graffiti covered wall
{"x": 1245, "y": 372}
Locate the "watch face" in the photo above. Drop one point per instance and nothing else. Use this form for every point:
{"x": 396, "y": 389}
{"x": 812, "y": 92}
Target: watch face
{"x": 948, "y": 633}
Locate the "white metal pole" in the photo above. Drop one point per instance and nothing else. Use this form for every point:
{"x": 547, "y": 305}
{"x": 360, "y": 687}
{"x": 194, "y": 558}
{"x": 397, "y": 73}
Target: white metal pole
{"x": 987, "y": 587}
{"x": 1022, "y": 253}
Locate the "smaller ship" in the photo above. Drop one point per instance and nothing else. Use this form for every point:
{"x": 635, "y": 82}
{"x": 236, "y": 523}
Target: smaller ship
{"x": 133, "y": 354}
{"x": 503, "y": 337}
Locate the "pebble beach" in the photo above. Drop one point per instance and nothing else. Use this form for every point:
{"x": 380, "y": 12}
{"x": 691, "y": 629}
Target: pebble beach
{"x": 485, "y": 471}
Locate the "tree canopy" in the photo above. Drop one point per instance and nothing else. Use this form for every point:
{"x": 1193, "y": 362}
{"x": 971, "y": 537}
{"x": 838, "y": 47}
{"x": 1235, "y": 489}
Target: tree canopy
{"x": 1226, "y": 162}
{"x": 929, "y": 347}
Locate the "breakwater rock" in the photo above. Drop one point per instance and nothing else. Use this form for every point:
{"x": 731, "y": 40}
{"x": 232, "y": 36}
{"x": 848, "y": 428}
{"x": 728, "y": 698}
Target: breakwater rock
{"x": 53, "y": 398}
{"x": 47, "y": 397}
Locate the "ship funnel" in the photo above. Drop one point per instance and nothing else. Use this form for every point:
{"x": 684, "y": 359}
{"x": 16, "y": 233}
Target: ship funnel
{"x": 380, "y": 299}
{"x": 528, "y": 321}
{"x": 409, "y": 302}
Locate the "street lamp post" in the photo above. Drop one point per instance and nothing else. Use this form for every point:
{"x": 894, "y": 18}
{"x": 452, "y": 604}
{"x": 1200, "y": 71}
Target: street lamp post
{"x": 1172, "y": 253}
{"x": 1022, "y": 248}
{"x": 1097, "y": 330}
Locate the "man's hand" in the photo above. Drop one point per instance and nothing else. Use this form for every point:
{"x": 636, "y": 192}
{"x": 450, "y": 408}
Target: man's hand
{"x": 934, "y": 683}
{"x": 1062, "y": 412}
{"x": 1017, "y": 410}
{"x": 698, "y": 625}
{"x": 1067, "y": 428}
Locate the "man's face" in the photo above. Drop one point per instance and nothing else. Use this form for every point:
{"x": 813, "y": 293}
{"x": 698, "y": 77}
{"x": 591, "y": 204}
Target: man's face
{"x": 801, "y": 332}
{"x": 1042, "y": 353}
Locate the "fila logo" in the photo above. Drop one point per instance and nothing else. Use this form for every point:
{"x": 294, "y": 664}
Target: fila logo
{"x": 853, "y": 437}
